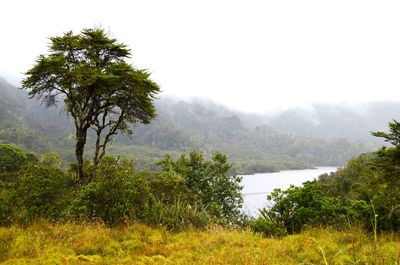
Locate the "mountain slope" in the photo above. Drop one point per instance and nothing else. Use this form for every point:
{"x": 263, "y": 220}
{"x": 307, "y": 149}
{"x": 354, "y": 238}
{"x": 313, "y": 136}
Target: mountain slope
{"x": 179, "y": 127}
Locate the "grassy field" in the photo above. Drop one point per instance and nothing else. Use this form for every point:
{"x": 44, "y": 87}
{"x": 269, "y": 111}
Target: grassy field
{"x": 43, "y": 243}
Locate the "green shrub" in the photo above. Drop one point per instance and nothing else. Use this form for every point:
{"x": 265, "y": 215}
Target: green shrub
{"x": 11, "y": 210}
{"x": 117, "y": 195}
{"x": 7, "y": 206}
{"x": 43, "y": 192}
{"x": 298, "y": 206}
{"x": 266, "y": 227}
{"x": 13, "y": 158}
{"x": 50, "y": 160}
{"x": 167, "y": 186}
{"x": 182, "y": 216}
{"x": 209, "y": 184}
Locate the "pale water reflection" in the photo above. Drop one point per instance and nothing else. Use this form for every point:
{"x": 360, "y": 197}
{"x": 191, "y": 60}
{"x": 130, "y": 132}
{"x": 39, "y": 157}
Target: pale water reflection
{"x": 257, "y": 186}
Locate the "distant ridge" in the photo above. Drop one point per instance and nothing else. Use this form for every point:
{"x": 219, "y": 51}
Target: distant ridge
{"x": 183, "y": 126}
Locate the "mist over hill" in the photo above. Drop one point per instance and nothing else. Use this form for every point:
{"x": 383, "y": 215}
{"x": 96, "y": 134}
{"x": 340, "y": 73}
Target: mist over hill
{"x": 295, "y": 138}
{"x": 27, "y": 123}
{"x": 352, "y": 122}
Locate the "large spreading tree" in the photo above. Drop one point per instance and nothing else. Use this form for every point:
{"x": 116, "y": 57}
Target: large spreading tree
{"x": 89, "y": 72}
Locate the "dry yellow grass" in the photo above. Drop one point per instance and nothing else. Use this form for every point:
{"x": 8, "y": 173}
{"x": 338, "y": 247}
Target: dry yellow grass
{"x": 43, "y": 243}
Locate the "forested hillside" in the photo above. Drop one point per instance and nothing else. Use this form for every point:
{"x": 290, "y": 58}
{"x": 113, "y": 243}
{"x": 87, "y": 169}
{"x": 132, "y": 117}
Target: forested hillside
{"x": 27, "y": 123}
{"x": 251, "y": 143}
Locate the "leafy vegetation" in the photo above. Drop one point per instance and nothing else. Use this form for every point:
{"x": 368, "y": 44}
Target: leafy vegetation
{"x": 217, "y": 192}
{"x": 187, "y": 193}
{"x": 13, "y": 158}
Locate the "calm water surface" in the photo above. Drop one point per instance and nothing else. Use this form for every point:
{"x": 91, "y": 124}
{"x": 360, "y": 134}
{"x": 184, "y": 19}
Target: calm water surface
{"x": 256, "y": 187}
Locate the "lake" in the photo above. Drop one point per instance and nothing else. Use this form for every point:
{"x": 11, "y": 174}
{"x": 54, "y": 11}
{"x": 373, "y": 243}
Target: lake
{"x": 257, "y": 186}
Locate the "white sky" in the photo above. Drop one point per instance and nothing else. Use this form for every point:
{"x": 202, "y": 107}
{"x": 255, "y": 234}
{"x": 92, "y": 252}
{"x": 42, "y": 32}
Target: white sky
{"x": 250, "y": 55}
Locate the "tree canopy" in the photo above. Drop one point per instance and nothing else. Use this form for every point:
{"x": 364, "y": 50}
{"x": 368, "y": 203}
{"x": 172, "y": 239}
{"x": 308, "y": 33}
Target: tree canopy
{"x": 217, "y": 192}
{"x": 89, "y": 72}
{"x": 13, "y": 158}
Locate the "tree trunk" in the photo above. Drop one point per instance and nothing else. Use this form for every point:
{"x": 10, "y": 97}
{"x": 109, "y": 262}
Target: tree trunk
{"x": 79, "y": 150}
{"x": 96, "y": 158}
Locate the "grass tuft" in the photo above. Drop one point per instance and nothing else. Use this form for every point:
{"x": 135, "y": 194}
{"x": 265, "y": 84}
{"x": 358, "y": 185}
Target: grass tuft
{"x": 44, "y": 243}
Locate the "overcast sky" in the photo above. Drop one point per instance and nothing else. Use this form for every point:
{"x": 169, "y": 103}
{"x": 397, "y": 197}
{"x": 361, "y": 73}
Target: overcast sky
{"x": 250, "y": 55}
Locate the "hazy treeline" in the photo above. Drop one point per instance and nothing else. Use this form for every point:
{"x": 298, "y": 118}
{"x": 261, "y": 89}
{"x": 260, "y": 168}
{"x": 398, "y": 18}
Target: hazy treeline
{"x": 254, "y": 143}
{"x": 350, "y": 121}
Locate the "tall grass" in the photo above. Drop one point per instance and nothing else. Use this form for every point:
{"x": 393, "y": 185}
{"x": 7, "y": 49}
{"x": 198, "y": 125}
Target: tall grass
{"x": 44, "y": 243}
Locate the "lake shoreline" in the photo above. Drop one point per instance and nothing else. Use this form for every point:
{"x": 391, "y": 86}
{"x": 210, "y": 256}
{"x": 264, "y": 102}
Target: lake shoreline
{"x": 251, "y": 173}
{"x": 257, "y": 186}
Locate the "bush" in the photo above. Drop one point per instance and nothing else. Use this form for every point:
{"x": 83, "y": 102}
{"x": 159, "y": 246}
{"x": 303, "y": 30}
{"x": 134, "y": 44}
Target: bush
{"x": 182, "y": 216}
{"x": 298, "y": 206}
{"x": 167, "y": 187}
{"x": 7, "y": 205}
{"x": 13, "y": 158}
{"x": 209, "y": 184}
{"x": 115, "y": 196}
{"x": 50, "y": 160}
{"x": 43, "y": 192}
{"x": 266, "y": 227}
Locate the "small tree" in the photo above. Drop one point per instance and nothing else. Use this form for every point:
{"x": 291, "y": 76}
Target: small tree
{"x": 100, "y": 90}
{"x": 209, "y": 184}
{"x": 389, "y": 157}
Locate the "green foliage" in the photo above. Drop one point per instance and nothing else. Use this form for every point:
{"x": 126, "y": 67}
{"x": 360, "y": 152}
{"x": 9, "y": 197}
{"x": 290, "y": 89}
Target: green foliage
{"x": 393, "y": 136}
{"x": 370, "y": 185}
{"x": 13, "y": 158}
{"x": 298, "y": 206}
{"x": 167, "y": 186}
{"x": 8, "y": 209}
{"x": 50, "y": 160}
{"x": 43, "y": 192}
{"x": 266, "y": 227}
{"x": 181, "y": 215}
{"x": 210, "y": 185}
{"x": 388, "y": 158}
{"x": 117, "y": 195}
{"x": 340, "y": 200}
